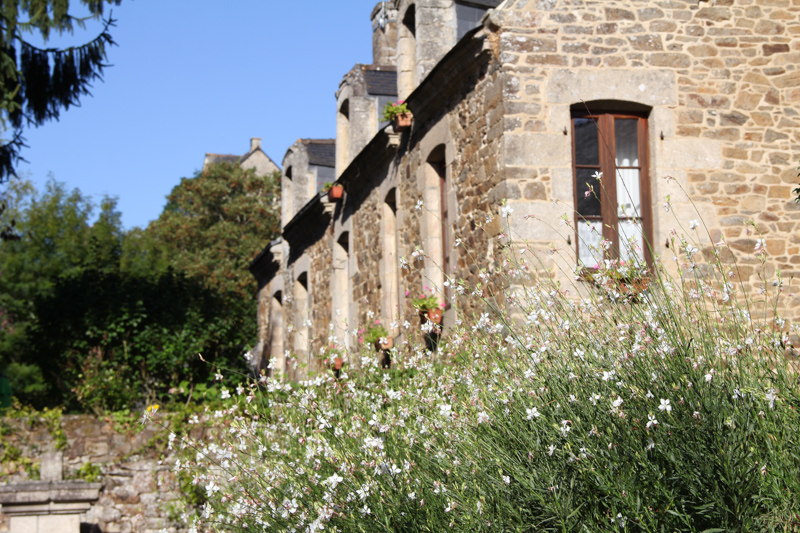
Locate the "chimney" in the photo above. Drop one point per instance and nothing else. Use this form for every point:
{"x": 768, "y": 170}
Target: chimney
{"x": 255, "y": 142}
{"x": 384, "y": 34}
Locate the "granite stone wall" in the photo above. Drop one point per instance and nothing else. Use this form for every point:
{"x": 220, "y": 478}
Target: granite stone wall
{"x": 138, "y": 490}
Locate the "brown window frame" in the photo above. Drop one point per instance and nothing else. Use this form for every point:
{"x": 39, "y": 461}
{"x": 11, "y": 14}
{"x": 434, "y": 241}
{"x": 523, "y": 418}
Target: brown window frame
{"x": 607, "y": 192}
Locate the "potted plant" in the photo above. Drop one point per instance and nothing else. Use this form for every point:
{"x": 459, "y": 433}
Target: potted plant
{"x": 332, "y": 357}
{"x": 428, "y": 308}
{"x": 334, "y": 191}
{"x": 628, "y": 280}
{"x": 398, "y": 114}
{"x": 379, "y": 337}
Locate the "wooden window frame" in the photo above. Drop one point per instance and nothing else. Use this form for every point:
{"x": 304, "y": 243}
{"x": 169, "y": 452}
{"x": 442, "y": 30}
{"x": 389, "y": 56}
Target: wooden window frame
{"x": 608, "y": 190}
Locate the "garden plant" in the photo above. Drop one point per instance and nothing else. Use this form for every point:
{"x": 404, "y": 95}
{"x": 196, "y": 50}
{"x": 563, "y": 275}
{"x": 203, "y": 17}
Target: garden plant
{"x": 555, "y": 407}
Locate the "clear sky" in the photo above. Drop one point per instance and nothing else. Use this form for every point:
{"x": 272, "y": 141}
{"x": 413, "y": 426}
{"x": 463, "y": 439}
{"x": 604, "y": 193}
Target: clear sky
{"x": 197, "y": 76}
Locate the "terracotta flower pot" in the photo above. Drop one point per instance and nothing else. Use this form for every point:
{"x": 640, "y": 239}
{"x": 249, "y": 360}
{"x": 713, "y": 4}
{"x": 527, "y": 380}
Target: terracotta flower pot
{"x": 402, "y": 122}
{"x": 388, "y": 345}
{"x": 434, "y": 315}
{"x": 335, "y": 193}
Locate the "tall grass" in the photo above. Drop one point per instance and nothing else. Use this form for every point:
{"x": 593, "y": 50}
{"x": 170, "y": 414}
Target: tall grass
{"x": 659, "y": 407}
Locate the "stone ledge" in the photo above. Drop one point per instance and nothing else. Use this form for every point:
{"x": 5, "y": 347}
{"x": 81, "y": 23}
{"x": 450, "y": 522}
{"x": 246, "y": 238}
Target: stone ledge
{"x": 47, "y": 494}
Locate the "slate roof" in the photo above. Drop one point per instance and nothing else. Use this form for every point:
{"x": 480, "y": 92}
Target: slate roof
{"x": 213, "y": 159}
{"x": 321, "y": 152}
{"x": 483, "y": 3}
{"x": 380, "y": 82}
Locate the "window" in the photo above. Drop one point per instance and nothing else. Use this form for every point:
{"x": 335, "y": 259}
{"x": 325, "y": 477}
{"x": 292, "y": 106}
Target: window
{"x": 438, "y": 236}
{"x": 340, "y": 287}
{"x": 617, "y": 207}
{"x": 389, "y": 282}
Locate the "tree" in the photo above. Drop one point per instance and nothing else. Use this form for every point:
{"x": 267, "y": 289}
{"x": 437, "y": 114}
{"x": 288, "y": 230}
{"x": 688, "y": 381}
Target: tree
{"x": 215, "y": 223}
{"x": 36, "y": 83}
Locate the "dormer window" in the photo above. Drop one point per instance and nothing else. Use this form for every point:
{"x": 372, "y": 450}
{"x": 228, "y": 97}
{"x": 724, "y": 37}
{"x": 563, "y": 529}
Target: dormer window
{"x": 469, "y": 14}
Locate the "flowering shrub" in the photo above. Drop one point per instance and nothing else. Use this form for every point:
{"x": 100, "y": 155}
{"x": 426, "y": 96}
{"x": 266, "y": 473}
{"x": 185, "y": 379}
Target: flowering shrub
{"x": 425, "y": 303}
{"x": 375, "y": 333}
{"x": 549, "y": 413}
{"x": 392, "y": 109}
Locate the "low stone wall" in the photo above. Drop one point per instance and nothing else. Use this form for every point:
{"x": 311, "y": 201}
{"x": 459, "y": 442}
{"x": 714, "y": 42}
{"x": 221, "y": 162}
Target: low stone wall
{"x": 138, "y": 492}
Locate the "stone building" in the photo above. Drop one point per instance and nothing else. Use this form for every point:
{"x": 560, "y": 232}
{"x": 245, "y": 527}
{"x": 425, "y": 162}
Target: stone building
{"x": 524, "y": 102}
{"x": 255, "y": 158}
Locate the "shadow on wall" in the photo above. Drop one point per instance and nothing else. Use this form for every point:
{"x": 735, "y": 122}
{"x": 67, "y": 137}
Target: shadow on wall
{"x": 90, "y": 528}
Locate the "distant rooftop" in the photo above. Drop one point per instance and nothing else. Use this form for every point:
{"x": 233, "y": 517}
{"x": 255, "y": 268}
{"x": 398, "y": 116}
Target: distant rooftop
{"x": 213, "y": 159}
{"x": 321, "y": 152}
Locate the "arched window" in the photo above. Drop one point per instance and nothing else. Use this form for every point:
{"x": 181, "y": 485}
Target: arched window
{"x": 390, "y": 266}
{"x": 342, "y": 137}
{"x": 287, "y": 197}
{"x": 276, "y": 355}
{"x": 612, "y": 184}
{"x": 437, "y": 242}
{"x": 301, "y": 318}
{"x": 340, "y": 289}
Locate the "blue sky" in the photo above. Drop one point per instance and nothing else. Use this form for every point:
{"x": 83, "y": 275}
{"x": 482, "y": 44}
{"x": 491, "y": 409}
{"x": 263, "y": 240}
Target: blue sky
{"x": 197, "y": 76}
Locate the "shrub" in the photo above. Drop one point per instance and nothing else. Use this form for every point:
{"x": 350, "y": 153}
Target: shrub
{"x": 671, "y": 411}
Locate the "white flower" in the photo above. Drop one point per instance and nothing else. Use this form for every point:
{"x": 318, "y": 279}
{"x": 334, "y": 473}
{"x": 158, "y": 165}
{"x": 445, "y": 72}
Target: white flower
{"x": 483, "y": 417}
{"x": 533, "y": 413}
{"x": 411, "y": 496}
{"x": 649, "y": 395}
{"x": 419, "y": 205}
{"x": 760, "y": 244}
{"x": 665, "y": 406}
{"x": 616, "y": 403}
{"x": 771, "y": 396}
{"x": 505, "y": 211}
{"x": 693, "y": 223}
{"x": 212, "y": 487}
{"x": 225, "y": 394}
{"x": 651, "y": 421}
{"x": 597, "y": 175}
{"x": 365, "y": 510}
{"x": 551, "y": 449}
{"x": 506, "y": 480}
{"x": 334, "y": 481}
{"x": 565, "y": 427}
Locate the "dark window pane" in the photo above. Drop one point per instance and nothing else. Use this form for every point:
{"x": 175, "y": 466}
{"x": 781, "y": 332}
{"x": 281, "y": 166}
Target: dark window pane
{"x": 586, "y": 152}
{"x": 468, "y": 17}
{"x": 589, "y": 192}
{"x": 627, "y": 142}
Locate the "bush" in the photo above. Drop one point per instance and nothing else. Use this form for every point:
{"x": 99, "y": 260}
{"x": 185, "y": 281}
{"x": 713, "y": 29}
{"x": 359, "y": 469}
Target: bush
{"x": 671, "y": 409}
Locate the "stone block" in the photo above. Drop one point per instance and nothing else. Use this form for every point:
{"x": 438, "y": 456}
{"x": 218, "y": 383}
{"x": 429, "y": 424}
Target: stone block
{"x": 770, "y": 49}
{"x": 716, "y": 14}
{"x": 619, "y": 14}
{"x": 647, "y": 43}
{"x": 690, "y": 153}
{"x": 68, "y": 523}
{"x": 651, "y": 87}
{"x": 537, "y": 150}
{"x": 669, "y": 59}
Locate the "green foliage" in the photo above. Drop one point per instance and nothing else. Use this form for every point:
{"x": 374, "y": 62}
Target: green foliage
{"x": 37, "y": 83}
{"x": 216, "y": 222}
{"x": 374, "y": 333}
{"x": 674, "y": 413}
{"x": 98, "y": 319}
{"x": 425, "y": 303}
{"x": 88, "y": 472}
{"x": 392, "y": 109}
